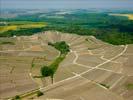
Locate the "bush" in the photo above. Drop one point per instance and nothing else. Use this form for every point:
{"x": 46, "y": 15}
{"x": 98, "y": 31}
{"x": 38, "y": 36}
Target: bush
{"x": 129, "y": 86}
{"x": 7, "y": 42}
{"x": 17, "y": 97}
{"x": 39, "y": 93}
{"x": 106, "y": 86}
{"x": 46, "y": 71}
{"x": 61, "y": 46}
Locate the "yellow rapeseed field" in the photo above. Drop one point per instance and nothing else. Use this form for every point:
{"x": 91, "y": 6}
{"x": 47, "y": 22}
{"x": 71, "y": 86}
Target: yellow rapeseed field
{"x": 6, "y": 28}
{"x": 36, "y": 25}
{"x": 17, "y": 27}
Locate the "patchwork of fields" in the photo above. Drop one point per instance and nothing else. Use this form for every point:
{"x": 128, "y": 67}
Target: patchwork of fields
{"x": 92, "y": 70}
{"x": 17, "y": 25}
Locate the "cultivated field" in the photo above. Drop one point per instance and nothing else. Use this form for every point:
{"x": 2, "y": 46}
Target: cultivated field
{"x": 92, "y": 70}
{"x": 20, "y": 25}
{"x": 130, "y": 16}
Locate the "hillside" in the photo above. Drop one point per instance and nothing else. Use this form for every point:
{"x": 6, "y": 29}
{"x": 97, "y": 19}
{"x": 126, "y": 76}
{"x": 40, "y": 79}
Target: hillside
{"x": 91, "y": 69}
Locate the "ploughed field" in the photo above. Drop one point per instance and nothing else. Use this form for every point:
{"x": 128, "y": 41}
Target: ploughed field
{"x": 92, "y": 70}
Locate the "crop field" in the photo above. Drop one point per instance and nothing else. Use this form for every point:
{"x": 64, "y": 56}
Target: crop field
{"x": 91, "y": 70}
{"x": 18, "y": 25}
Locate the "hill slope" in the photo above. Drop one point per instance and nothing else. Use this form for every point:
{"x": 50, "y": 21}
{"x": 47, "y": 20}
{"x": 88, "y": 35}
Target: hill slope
{"x": 91, "y": 70}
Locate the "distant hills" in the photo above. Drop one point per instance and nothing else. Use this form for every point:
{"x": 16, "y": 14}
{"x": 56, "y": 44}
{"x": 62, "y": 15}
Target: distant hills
{"x": 97, "y": 22}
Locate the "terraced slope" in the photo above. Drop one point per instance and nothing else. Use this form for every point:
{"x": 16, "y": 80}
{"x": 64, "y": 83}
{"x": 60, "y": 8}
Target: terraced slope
{"x": 93, "y": 70}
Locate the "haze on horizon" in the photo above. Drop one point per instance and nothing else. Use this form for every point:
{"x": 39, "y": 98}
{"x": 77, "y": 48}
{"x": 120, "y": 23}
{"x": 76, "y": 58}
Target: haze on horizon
{"x": 66, "y": 4}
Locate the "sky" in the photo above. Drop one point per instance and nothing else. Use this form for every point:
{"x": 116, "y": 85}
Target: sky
{"x": 66, "y": 4}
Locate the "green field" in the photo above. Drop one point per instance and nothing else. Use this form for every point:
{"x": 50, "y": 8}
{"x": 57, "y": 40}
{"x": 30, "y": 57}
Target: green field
{"x": 113, "y": 29}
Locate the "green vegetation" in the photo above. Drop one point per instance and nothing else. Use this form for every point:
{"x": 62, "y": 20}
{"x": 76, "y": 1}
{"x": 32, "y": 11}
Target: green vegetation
{"x": 39, "y": 93}
{"x": 46, "y": 71}
{"x": 112, "y": 29}
{"x": 51, "y": 69}
{"x": 57, "y": 61}
{"x": 20, "y": 28}
{"x": 7, "y": 42}
{"x": 17, "y": 97}
{"x": 61, "y": 46}
{"x": 32, "y": 65}
{"x": 129, "y": 86}
{"x": 27, "y": 32}
{"x": 106, "y": 86}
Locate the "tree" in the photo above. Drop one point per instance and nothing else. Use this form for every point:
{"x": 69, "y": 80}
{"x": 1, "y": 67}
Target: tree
{"x": 17, "y": 97}
{"x": 46, "y": 71}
